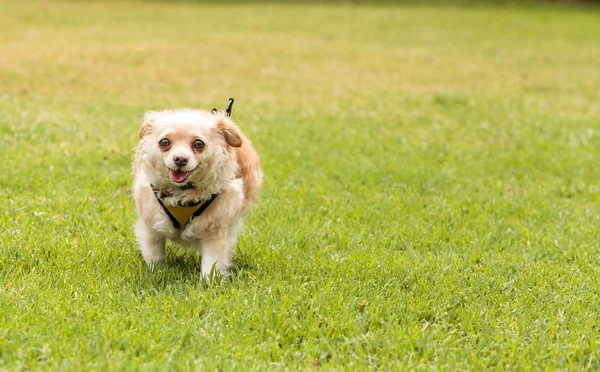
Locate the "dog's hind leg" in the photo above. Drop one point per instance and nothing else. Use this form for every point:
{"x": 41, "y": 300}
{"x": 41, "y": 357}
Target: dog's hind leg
{"x": 151, "y": 243}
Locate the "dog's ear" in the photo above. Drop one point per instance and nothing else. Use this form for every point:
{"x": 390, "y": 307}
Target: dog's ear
{"x": 230, "y": 132}
{"x": 148, "y": 124}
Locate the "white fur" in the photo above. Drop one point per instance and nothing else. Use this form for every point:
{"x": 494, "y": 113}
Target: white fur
{"x": 215, "y": 170}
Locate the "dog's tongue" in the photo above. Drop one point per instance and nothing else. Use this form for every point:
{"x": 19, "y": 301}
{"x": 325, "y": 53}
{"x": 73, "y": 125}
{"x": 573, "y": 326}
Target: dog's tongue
{"x": 178, "y": 176}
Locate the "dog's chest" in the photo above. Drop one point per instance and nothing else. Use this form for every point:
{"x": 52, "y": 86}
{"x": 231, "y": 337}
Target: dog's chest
{"x": 179, "y": 214}
{"x": 193, "y": 230}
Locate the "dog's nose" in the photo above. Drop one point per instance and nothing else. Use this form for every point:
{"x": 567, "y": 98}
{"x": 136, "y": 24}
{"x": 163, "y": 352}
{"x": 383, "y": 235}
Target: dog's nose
{"x": 180, "y": 159}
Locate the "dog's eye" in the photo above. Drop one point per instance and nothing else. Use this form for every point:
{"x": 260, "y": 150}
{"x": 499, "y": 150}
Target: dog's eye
{"x": 164, "y": 143}
{"x": 198, "y": 144}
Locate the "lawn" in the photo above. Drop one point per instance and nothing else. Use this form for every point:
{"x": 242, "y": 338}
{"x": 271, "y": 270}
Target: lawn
{"x": 431, "y": 197}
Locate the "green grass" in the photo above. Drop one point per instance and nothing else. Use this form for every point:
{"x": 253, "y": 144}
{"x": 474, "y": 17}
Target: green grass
{"x": 431, "y": 201}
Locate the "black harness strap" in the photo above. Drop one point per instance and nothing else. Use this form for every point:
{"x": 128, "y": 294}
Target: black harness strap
{"x": 205, "y": 205}
{"x": 171, "y": 217}
{"x": 198, "y": 212}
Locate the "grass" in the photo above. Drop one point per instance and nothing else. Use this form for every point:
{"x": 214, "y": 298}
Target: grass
{"x": 431, "y": 198}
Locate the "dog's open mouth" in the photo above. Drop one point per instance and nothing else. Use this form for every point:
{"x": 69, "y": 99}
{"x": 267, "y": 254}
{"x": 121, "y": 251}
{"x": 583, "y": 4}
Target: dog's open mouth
{"x": 179, "y": 176}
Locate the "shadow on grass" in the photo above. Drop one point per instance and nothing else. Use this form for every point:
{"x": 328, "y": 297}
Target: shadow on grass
{"x": 184, "y": 268}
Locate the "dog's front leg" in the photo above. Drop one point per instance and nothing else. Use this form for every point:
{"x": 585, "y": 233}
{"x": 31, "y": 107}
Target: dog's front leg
{"x": 152, "y": 243}
{"x": 216, "y": 251}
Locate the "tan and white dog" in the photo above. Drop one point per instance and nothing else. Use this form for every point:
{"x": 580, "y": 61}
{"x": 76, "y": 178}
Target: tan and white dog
{"x": 196, "y": 176}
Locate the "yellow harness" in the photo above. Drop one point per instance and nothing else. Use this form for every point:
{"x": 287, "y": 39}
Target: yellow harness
{"x": 181, "y": 215}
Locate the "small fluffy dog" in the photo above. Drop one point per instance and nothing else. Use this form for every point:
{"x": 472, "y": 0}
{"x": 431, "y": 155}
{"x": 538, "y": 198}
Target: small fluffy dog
{"x": 196, "y": 176}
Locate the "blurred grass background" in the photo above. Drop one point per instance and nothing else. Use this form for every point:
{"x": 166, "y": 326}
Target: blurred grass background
{"x": 431, "y": 195}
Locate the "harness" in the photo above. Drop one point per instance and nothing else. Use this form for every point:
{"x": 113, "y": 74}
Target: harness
{"x": 181, "y": 215}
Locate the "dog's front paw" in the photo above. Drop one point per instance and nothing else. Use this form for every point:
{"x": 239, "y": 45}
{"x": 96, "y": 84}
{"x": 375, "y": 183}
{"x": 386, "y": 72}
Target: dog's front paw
{"x": 213, "y": 270}
{"x": 153, "y": 260}
{"x": 215, "y": 275}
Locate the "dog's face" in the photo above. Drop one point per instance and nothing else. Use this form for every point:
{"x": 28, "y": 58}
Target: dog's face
{"x": 186, "y": 146}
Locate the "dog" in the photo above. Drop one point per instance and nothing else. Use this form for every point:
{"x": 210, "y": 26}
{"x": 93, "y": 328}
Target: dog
{"x": 195, "y": 177}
